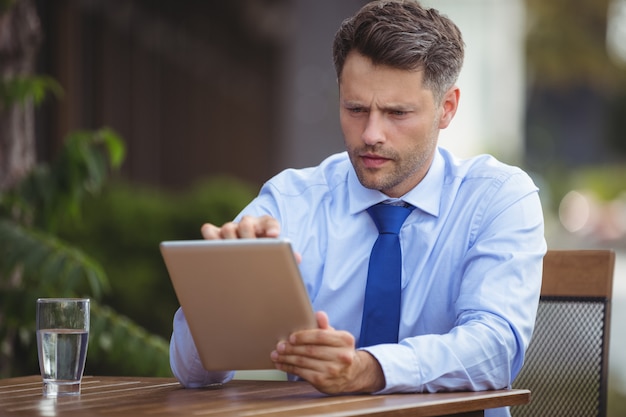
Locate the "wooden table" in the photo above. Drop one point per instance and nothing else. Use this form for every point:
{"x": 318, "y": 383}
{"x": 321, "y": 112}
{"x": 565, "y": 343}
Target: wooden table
{"x": 162, "y": 397}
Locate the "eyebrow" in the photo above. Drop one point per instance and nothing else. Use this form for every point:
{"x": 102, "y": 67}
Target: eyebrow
{"x": 388, "y": 107}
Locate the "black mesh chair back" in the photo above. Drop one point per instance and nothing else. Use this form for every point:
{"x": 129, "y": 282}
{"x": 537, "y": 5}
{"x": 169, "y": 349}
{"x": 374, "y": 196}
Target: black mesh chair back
{"x": 566, "y": 365}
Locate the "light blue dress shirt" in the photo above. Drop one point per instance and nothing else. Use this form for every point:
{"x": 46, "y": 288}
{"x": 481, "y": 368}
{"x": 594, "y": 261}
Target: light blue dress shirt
{"x": 472, "y": 262}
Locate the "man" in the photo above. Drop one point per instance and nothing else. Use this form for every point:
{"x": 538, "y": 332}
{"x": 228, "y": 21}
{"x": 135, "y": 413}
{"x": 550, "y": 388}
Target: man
{"x": 471, "y": 246}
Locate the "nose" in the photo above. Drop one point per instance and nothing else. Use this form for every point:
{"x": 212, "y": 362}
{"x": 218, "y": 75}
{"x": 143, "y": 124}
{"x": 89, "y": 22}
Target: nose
{"x": 374, "y": 132}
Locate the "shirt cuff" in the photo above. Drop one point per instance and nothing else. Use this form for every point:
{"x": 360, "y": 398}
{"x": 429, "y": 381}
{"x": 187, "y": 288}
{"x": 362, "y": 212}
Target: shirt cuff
{"x": 399, "y": 367}
{"x": 185, "y": 361}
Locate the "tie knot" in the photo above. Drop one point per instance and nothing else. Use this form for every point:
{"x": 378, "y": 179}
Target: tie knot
{"x": 389, "y": 218}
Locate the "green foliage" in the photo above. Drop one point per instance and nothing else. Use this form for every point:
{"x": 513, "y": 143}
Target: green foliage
{"x": 6, "y": 5}
{"x": 33, "y": 255}
{"x": 566, "y": 44}
{"x": 35, "y": 262}
{"x": 21, "y": 89}
{"x": 116, "y": 340}
{"x": 606, "y": 182}
{"x": 122, "y": 229}
{"x": 51, "y": 193}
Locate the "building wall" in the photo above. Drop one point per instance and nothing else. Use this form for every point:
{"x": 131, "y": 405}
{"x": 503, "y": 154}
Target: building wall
{"x": 190, "y": 86}
{"x": 247, "y": 87}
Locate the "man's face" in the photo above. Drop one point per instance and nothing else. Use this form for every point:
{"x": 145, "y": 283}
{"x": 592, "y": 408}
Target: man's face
{"x": 390, "y": 123}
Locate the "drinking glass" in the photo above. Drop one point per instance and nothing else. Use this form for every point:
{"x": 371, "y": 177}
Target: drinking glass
{"x": 62, "y": 338}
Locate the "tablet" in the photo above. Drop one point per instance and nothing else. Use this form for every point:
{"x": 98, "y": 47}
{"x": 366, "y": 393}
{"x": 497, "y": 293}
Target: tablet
{"x": 239, "y": 296}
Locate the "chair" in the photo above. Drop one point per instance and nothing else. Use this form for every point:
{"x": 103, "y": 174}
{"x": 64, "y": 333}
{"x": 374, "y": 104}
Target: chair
{"x": 566, "y": 365}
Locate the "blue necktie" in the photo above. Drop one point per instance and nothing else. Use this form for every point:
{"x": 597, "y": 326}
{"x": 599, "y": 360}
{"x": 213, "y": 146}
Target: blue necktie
{"x": 381, "y": 310}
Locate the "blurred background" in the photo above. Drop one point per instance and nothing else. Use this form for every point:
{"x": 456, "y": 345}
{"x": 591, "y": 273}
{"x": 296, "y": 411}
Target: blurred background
{"x": 127, "y": 122}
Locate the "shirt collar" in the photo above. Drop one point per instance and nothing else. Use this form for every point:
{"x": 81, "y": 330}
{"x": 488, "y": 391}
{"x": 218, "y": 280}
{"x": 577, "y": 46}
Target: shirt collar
{"x": 425, "y": 196}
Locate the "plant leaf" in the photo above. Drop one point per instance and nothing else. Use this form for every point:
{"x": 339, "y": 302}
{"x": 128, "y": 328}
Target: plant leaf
{"x": 48, "y": 263}
{"x": 21, "y": 89}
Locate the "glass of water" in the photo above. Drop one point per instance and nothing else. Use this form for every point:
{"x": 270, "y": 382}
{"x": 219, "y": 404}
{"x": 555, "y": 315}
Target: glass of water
{"x": 62, "y": 338}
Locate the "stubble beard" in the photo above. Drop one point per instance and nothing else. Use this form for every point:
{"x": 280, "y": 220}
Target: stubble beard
{"x": 402, "y": 166}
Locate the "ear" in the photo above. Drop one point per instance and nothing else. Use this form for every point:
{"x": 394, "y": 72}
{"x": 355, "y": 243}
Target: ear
{"x": 449, "y": 104}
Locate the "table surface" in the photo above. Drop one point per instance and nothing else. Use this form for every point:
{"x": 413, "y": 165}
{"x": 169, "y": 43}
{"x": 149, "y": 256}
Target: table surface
{"x": 162, "y": 397}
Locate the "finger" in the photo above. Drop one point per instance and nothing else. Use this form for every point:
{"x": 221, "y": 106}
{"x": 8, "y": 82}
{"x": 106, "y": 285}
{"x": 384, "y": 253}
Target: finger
{"x": 297, "y": 365}
{"x": 326, "y": 376}
{"x": 328, "y": 338}
{"x": 312, "y": 358}
{"x": 305, "y": 356}
{"x": 287, "y": 367}
{"x": 322, "y": 320}
{"x": 247, "y": 228}
{"x": 268, "y": 227}
{"x": 210, "y": 231}
{"x": 298, "y": 257}
{"x": 325, "y": 334}
{"x": 339, "y": 350}
{"x": 229, "y": 231}
{"x": 265, "y": 226}
{"x": 316, "y": 378}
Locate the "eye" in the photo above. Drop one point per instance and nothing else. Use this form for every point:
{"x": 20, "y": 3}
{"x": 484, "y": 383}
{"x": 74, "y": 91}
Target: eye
{"x": 356, "y": 110}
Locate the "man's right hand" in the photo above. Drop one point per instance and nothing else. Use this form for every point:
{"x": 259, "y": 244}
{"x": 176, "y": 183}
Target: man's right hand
{"x": 249, "y": 227}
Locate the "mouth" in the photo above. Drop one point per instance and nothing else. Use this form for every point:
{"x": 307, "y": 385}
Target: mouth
{"x": 371, "y": 160}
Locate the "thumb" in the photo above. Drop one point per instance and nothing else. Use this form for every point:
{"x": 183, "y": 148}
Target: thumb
{"x": 322, "y": 321}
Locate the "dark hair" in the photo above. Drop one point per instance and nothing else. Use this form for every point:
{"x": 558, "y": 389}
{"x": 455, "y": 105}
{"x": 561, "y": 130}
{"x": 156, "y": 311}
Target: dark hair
{"x": 402, "y": 34}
